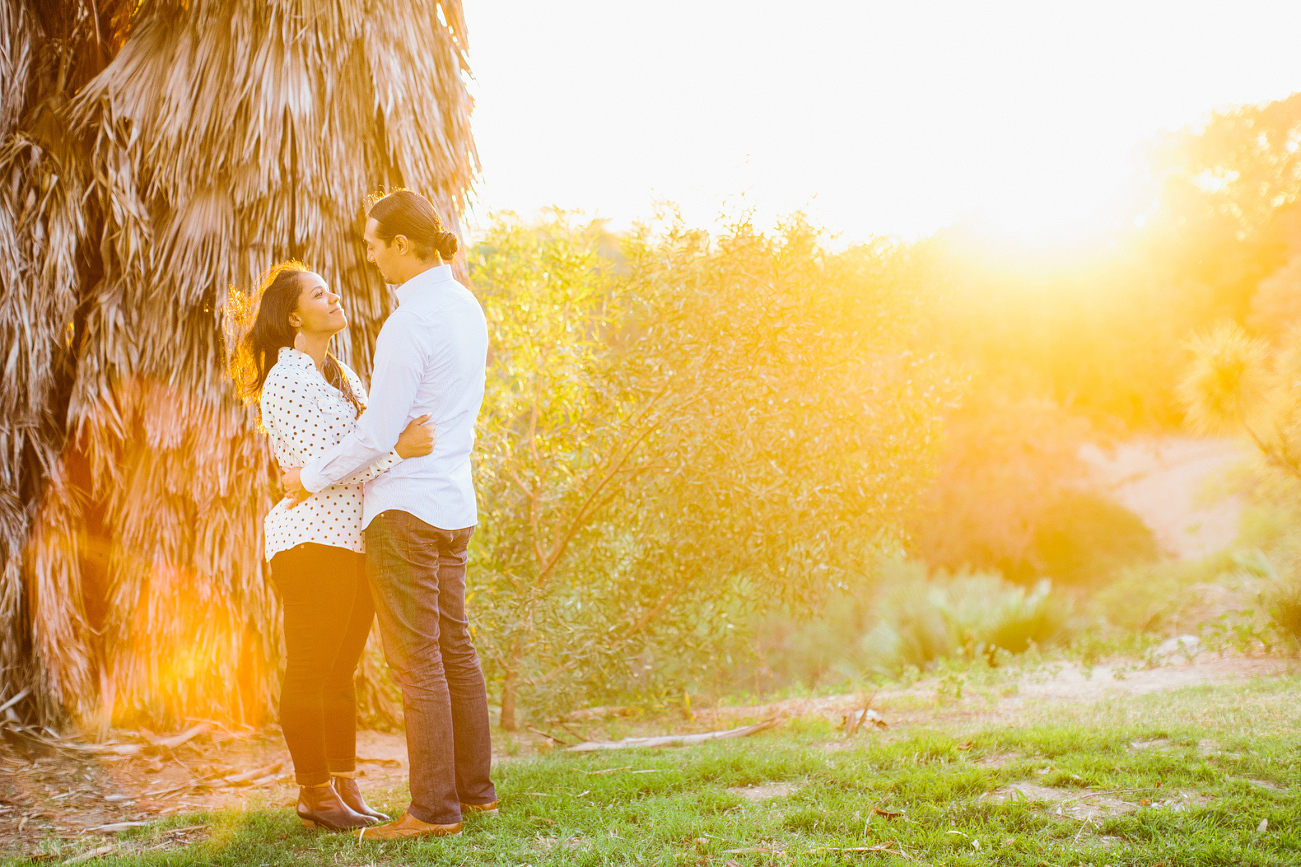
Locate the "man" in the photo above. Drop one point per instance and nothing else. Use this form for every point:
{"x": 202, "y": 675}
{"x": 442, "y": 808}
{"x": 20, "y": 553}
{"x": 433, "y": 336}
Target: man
{"x": 420, "y": 514}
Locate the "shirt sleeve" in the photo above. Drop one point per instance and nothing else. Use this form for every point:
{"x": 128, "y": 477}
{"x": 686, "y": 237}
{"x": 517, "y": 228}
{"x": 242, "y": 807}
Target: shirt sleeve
{"x": 365, "y": 474}
{"x": 387, "y": 462}
{"x": 399, "y": 369}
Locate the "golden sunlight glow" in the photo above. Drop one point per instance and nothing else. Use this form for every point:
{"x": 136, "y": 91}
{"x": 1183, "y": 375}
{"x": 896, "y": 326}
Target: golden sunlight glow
{"x": 1040, "y": 215}
{"x": 871, "y": 117}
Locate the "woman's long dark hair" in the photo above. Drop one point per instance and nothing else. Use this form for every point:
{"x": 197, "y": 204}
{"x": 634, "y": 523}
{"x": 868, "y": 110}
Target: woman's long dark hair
{"x": 267, "y": 329}
{"x": 403, "y": 212}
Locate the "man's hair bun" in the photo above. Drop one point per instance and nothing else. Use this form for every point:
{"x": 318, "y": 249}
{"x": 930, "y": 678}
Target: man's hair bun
{"x": 403, "y": 212}
{"x": 448, "y": 244}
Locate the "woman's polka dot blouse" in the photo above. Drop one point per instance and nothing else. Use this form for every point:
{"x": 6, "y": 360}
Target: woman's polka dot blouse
{"x": 304, "y": 417}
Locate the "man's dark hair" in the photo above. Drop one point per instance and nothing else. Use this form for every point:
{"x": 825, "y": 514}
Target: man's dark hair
{"x": 403, "y": 212}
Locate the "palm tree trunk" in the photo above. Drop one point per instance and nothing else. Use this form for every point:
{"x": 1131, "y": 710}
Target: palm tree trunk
{"x": 220, "y": 138}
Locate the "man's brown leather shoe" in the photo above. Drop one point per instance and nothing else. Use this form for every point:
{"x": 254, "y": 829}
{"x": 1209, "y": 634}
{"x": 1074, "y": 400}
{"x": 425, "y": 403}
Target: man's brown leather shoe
{"x": 408, "y": 828}
{"x": 488, "y": 809}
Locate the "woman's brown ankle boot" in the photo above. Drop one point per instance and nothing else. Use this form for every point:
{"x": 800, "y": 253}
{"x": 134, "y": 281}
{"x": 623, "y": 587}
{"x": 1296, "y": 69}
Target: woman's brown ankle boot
{"x": 321, "y": 807}
{"x": 350, "y": 793}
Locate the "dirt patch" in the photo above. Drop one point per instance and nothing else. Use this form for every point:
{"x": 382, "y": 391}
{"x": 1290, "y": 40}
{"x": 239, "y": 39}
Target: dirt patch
{"x": 1169, "y": 483}
{"x": 1207, "y": 748}
{"x": 1064, "y": 802}
{"x": 1265, "y": 784}
{"x": 1007, "y": 700}
{"x": 81, "y": 798}
{"x": 76, "y": 797}
{"x": 1156, "y": 745}
{"x": 994, "y": 761}
{"x": 765, "y": 792}
{"x": 1086, "y": 806}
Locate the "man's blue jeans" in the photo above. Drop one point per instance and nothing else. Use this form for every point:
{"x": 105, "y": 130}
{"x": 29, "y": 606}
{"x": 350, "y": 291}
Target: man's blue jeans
{"x": 417, "y": 575}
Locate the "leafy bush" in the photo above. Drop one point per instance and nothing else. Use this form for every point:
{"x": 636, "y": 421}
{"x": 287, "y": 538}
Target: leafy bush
{"x": 1281, "y": 597}
{"x": 716, "y": 428}
{"x": 1247, "y": 597}
{"x": 901, "y": 616}
{"x": 809, "y": 648}
{"x": 1003, "y": 463}
{"x": 968, "y": 615}
{"x": 1181, "y": 596}
{"x": 1285, "y": 611}
{"x": 1009, "y": 496}
{"x": 1082, "y": 539}
{"x": 1269, "y": 525}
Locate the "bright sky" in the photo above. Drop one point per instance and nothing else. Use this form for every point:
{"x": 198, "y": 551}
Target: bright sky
{"x": 895, "y": 117}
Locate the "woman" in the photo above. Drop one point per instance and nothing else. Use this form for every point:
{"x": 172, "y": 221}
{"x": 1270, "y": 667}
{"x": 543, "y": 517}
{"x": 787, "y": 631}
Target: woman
{"x": 309, "y": 401}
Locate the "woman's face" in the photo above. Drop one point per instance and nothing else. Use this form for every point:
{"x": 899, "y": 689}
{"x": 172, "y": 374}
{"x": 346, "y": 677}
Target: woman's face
{"x": 318, "y": 309}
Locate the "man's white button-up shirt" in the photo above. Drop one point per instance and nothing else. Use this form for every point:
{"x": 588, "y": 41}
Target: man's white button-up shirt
{"x": 429, "y": 358}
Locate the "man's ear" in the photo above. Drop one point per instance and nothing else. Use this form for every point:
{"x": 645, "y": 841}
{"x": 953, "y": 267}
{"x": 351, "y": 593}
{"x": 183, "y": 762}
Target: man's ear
{"x": 402, "y": 243}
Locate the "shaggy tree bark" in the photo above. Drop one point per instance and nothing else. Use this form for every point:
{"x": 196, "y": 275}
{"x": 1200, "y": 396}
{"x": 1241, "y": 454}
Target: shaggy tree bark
{"x": 216, "y": 139}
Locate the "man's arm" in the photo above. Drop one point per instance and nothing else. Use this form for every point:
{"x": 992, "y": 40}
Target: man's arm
{"x": 399, "y": 369}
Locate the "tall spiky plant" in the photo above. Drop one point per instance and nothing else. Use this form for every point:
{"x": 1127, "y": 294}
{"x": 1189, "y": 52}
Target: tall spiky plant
{"x": 220, "y": 138}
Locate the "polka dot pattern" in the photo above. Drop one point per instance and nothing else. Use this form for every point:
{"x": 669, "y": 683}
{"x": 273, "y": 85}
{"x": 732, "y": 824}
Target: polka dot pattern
{"x": 304, "y": 417}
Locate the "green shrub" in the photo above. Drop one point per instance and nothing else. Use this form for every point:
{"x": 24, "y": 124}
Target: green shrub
{"x": 1285, "y": 613}
{"x": 1181, "y": 596}
{"x": 1083, "y": 539}
{"x": 810, "y": 649}
{"x": 1003, "y": 462}
{"x": 674, "y": 444}
{"x": 897, "y": 617}
{"x": 1007, "y": 496}
{"x": 1281, "y": 598}
{"x": 968, "y": 615}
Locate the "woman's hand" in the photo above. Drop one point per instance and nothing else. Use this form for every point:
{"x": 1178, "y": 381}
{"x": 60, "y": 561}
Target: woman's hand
{"x": 417, "y": 440}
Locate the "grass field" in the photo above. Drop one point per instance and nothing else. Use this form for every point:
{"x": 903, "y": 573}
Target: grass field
{"x": 1201, "y": 776}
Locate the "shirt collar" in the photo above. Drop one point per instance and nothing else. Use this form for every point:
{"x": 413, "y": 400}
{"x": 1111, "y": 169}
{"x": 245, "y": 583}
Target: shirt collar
{"x": 291, "y": 356}
{"x": 425, "y": 279}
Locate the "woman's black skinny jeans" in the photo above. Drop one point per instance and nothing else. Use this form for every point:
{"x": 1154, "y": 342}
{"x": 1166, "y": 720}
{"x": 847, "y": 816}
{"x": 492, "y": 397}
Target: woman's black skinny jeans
{"x": 327, "y": 617}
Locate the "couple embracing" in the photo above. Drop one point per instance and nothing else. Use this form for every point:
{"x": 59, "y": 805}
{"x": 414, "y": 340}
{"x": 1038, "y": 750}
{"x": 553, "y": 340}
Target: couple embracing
{"x": 377, "y": 521}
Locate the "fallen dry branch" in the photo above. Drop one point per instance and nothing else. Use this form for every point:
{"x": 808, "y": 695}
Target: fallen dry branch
{"x": 93, "y": 853}
{"x": 1103, "y": 793}
{"x": 857, "y": 719}
{"x": 548, "y": 735}
{"x": 257, "y": 776}
{"x": 176, "y": 740}
{"x": 595, "y": 713}
{"x": 247, "y": 779}
{"x": 673, "y": 740}
{"x": 627, "y": 768}
{"x": 887, "y": 846}
{"x": 114, "y": 827}
{"x": 146, "y": 743}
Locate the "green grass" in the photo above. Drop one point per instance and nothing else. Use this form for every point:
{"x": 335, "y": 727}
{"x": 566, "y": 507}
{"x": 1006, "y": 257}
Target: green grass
{"x": 1206, "y": 747}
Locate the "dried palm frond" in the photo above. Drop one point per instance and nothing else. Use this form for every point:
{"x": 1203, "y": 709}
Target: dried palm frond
{"x": 48, "y": 49}
{"x": 220, "y": 138}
